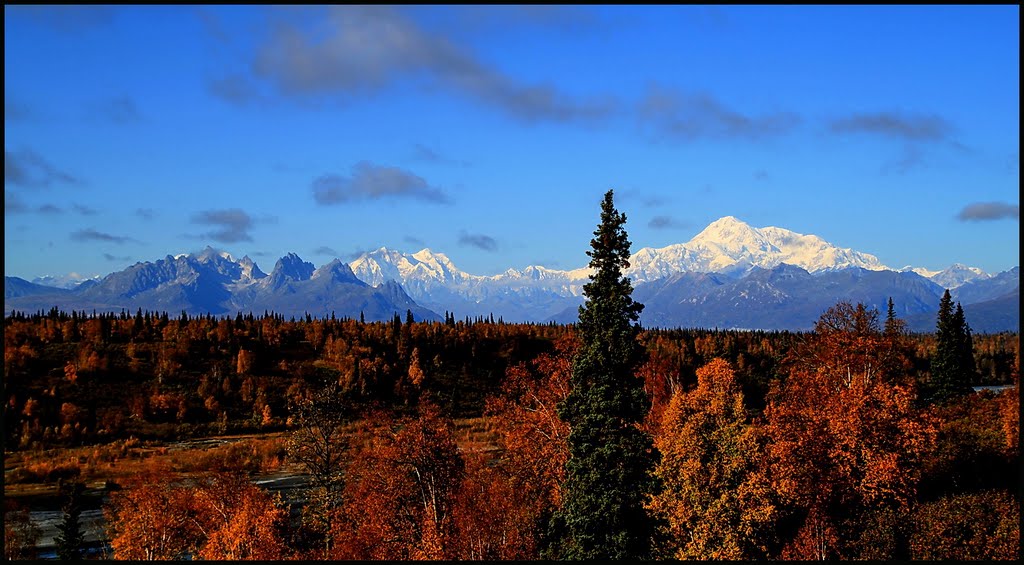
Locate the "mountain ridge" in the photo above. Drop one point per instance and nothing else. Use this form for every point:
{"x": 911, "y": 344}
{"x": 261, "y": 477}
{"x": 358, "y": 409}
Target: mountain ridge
{"x": 732, "y": 254}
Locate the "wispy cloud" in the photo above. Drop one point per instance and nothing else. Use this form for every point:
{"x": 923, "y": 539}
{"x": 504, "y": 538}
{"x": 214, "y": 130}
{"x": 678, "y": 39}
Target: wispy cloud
{"x": 234, "y": 225}
{"x": 665, "y": 222}
{"x": 235, "y": 88}
{"x": 371, "y": 182}
{"x": 325, "y": 250}
{"x": 122, "y": 258}
{"x": 413, "y": 240}
{"x": 26, "y": 168}
{"x": 684, "y": 116}
{"x": 898, "y": 125}
{"x": 986, "y": 211}
{"x": 50, "y": 209}
{"x": 145, "y": 213}
{"x": 358, "y": 50}
{"x": 90, "y": 234}
{"x": 480, "y": 241}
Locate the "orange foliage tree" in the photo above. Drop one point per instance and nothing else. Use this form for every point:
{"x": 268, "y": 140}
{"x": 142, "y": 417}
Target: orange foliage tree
{"x": 968, "y": 526}
{"x": 844, "y": 434}
{"x": 491, "y": 521}
{"x": 533, "y": 438}
{"x": 399, "y": 490}
{"x": 220, "y": 516}
{"x": 152, "y": 518}
{"x": 240, "y": 521}
{"x": 714, "y": 506}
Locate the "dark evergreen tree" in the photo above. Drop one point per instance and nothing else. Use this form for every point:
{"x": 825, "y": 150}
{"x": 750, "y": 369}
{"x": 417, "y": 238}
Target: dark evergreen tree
{"x": 609, "y": 472}
{"x": 69, "y": 538}
{"x": 950, "y": 373}
{"x": 892, "y": 323}
{"x": 965, "y": 346}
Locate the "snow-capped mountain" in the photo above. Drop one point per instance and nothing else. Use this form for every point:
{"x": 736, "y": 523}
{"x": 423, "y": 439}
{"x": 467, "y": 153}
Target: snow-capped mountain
{"x": 433, "y": 280}
{"x": 958, "y": 275}
{"x": 68, "y": 281}
{"x": 775, "y": 265}
{"x": 730, "y": 245}
{"x": 952, "y": 277}
{"x": 417, "y": 272}
{"x": 726, "y": 246}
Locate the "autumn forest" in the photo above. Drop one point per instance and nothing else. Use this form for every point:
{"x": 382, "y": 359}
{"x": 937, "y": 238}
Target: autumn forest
{"x": 770, "y": 452}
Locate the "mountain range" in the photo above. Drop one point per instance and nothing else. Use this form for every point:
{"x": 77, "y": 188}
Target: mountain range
{"x": 730, "y": 275}
{"x": 213, "y": 282}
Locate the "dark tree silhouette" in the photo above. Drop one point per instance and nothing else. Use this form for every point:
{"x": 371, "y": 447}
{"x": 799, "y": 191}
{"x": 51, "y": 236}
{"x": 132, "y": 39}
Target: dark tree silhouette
{"x": 609, "y": 472}
{"x": 953, "y": 364}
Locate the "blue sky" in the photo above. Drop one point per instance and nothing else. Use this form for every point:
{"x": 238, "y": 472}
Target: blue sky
{"x": 491, "y": 133}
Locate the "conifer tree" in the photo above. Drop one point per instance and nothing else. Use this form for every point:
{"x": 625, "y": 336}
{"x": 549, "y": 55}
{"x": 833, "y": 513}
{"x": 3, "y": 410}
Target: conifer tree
{"x": 609, "y": 475}
{"x": 950, "y": 367}
{"x": 965, "y": 345}
{"x": 892, "y": 323}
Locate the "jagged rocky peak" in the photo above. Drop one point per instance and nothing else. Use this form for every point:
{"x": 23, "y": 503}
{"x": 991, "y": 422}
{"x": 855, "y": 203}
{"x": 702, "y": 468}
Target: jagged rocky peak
{"x": 212, "y": 254}
{"x": 250, "y": 270}
{"x": 292, "y": 266}
{"x": 338, "y": 271}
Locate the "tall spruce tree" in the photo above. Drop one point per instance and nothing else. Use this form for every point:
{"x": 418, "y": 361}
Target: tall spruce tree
{"x": 965, "y": 347}
{"x": 953, "y": 363}
{"x": 609, "y": 472}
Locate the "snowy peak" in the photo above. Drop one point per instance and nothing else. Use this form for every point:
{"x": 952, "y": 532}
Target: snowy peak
{"x": 729, "y": 244}
{"x": 250, "y": 270}
{"x": 731, "y": 233}
{"x": 68, "y": 281}
{"x": 378, "y": 266}
{"x": 954, "y": 276}
{"x": 211, "y": 255}
{"x": 957, "y": 275}
{"x": 425, "y": 266}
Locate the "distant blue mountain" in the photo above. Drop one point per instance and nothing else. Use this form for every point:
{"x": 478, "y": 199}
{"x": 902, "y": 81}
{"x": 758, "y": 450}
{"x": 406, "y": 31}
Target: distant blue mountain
{"x": 988, "y": 289}
{"x": 15, "y": 287}
{"x": 212, "y": 282}
{"x": 781, "y": 298}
